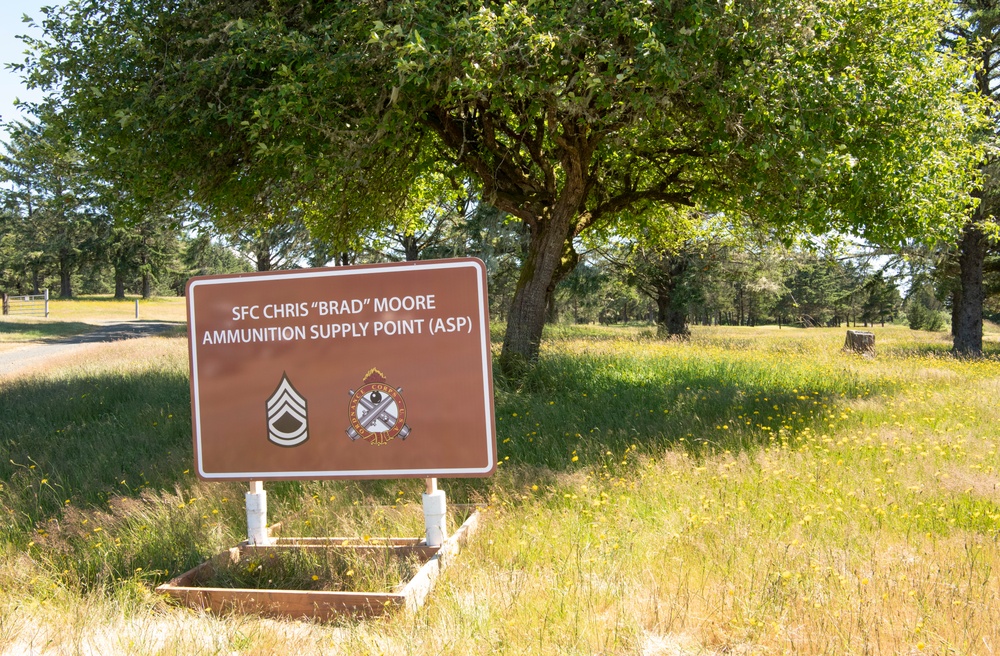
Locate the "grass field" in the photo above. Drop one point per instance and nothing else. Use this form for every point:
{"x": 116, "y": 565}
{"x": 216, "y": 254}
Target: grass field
{"x": 106, "y": 308}
{"x": 752, "y": 491}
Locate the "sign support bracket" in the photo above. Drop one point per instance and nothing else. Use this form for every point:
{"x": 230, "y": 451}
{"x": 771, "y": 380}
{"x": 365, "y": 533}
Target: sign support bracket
{"x": 435, "y": 514}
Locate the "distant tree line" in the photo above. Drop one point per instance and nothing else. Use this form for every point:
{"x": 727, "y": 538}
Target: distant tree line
{"x": 62, "y": 228}
{"x": 739, "y": 287}
{"x": 640, "y": 161}
{"x": 578, "y": 119}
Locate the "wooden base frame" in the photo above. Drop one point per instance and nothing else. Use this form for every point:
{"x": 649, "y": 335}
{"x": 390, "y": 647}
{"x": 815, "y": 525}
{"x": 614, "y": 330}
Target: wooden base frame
{"x": 311, "y": 604}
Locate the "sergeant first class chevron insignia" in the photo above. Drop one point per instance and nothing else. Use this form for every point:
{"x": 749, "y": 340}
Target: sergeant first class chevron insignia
{"x": 287, "y": 418}
{"x": 377, "y": 411}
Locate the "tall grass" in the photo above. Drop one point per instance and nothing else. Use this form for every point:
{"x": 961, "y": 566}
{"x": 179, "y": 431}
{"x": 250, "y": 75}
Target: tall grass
{"x": 750, "y": 491}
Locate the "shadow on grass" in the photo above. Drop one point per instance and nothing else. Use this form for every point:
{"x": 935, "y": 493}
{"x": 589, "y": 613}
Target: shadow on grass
{"x": 68, "y": 448}
{"x": 587, "y": 406}
{"x": 75, "y": 332}
{"x": 83, "y": 441}
{"x": 97, "y": 480}
{"x": 126, "y": 330}
{"x": 87, "y": 440}
{"x": 47, "y": 331}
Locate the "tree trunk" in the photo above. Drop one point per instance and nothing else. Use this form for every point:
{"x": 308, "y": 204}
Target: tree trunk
{"x": 147, "y": 285}
{"x": 967, "y": 314}
{"x": 552, "y": 310}
{"x": 570, "y": 258}
{"x": 956, "y": 303}
{"x": 676, "y": 322}
{"x": 671, "y": 317}
{"x": 262, "y": 258}
{"x": 65, "y": 279}
{"x": 544, "y": 266}
{"x": 119, "y": 284}
{"x": 411, "y": 247}
{"x": 671, "y": 321}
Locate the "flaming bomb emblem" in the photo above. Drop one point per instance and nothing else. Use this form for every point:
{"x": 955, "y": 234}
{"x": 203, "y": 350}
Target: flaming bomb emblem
{"x": 377, "y": 411}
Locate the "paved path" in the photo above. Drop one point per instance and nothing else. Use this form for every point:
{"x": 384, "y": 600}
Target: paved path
{"x": 34, "y": 353}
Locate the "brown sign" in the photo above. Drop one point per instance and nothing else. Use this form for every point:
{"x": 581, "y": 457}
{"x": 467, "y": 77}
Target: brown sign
{"x": 379, "y": 371}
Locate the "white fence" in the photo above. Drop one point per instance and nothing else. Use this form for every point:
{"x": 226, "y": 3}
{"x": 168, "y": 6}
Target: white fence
{"x": 30, "y": 305}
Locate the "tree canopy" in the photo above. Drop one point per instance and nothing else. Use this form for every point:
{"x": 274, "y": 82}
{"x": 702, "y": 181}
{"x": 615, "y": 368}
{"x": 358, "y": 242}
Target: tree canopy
{"x": 828, "y": 115}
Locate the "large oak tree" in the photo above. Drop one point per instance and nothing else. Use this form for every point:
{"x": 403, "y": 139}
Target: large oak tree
{"x": 830, "y": 115}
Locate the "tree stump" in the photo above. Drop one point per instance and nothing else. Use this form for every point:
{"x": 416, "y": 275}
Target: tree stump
{"x": 861, "y": 342}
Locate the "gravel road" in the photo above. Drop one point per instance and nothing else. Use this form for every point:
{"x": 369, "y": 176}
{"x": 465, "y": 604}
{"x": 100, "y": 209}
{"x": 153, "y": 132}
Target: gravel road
{"x": 31, "y": 354}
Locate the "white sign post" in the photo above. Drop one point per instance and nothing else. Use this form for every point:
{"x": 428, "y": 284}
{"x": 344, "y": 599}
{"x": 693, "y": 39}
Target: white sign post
{"x": 435, "y": 514}
{"x": 256, "y": 500}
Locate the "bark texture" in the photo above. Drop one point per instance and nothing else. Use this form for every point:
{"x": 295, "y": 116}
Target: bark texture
{"x": 967, "y": 310}
{"x": 411, "y": 247}
{"x": 542, "y": 270}
{"x": 119, "y": 284}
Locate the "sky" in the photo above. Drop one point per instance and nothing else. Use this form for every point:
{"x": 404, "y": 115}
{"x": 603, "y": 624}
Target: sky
{"x": 12, "y": 50}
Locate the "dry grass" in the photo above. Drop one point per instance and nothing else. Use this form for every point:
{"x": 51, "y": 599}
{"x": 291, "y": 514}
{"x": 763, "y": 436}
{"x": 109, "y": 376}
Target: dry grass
{"x": 782, "y": 497}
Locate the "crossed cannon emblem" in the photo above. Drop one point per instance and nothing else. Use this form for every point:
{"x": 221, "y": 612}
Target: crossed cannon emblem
{"x": 377, "y": 411}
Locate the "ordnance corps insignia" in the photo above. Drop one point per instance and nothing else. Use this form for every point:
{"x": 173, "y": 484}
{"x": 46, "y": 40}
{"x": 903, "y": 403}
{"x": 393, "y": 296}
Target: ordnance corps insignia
{"x": 377, "y": 411}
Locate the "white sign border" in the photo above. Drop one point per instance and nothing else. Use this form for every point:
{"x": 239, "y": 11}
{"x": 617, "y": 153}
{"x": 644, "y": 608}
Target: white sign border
{"x": 484, "y": 338}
